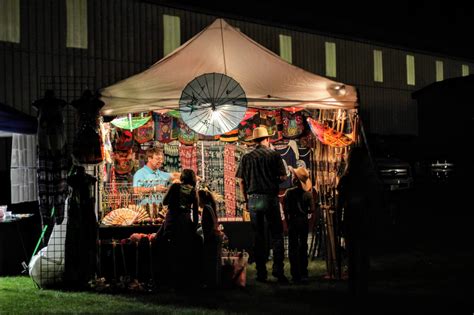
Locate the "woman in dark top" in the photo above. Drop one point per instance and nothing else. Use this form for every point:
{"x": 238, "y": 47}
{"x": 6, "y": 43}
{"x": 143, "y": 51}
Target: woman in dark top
{"x": 179, "y": 228}
{"x": 212, "y": 239}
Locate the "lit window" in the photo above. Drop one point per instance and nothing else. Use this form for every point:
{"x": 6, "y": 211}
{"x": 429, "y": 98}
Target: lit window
{"x": 76, "y": 14}
{"x": 378, "y": 66}
{"x": 439, "y": 71}
{"x": 10, "y": 21}
{"x": 285, "y": 48}
{"x": 410, "y": 70}
{"x": 465, "y": 70}
{"x": 330, "y": 59}
{"x": 171, "y": 33}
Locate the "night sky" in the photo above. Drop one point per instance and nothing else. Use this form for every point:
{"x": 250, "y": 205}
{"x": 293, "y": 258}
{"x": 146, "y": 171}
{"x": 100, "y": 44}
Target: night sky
{"x": 440, "y": 27}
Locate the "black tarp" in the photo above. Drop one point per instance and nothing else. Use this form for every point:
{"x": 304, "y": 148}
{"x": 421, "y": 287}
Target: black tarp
{"x": 12, "y": 120}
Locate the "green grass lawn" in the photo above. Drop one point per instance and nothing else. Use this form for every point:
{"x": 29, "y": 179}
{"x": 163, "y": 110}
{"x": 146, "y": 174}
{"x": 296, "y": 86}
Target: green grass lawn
{"x": 18, "y": 295}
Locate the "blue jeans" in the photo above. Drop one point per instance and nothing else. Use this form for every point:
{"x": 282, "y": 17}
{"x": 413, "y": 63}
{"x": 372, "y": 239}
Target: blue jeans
{"x": 265, "y": 219}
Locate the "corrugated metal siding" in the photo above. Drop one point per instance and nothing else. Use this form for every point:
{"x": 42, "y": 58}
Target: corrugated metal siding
{"x": 125, "y": 37}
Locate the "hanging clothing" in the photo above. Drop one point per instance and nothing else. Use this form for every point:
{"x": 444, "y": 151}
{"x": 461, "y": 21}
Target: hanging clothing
{"x": 305, "y": 157}
{"x": 289, "y": 159}
{"x": 80, "y": 247}
{"x": 51, "y": 133}
{"x": 52, "y": 165}
{"x": 86, "y": 145}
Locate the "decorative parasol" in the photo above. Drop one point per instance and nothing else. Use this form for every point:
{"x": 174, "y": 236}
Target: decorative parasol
{"x": 213, "y": 104}
{"x": 129, "y": 122}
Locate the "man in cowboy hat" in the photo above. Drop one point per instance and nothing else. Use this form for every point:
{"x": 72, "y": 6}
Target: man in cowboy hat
{"x": 298, "y": 203}
{"x": 261, "y": 171}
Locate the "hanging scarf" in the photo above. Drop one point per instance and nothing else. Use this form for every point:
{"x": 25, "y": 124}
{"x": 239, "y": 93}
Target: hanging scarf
{"x": 171, "y": 163}
{"x": 188, "y": 157}
{"x": 229, "y": 179}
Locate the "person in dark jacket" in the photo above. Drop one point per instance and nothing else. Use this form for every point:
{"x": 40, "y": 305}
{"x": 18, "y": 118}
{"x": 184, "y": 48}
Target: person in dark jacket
{"x": 357, "y": 196}
{"x": 298, "y": 204}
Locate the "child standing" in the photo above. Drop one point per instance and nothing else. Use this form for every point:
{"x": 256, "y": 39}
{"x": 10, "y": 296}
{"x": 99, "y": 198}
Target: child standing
{"x": 212, "y": 239}
{"x": 298, "y": 203}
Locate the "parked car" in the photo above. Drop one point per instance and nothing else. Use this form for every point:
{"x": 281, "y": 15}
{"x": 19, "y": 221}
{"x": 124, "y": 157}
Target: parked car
{"x": 436, "y": 171}
{"x": 395, "y": 173}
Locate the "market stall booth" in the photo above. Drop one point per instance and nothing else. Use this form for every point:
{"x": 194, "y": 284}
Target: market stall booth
{"x": 200, "y": 104}
{"x": 186, "y": 103}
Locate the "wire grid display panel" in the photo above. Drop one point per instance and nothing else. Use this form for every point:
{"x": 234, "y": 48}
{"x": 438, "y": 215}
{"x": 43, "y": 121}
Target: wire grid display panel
{"x": 120, "y": 205}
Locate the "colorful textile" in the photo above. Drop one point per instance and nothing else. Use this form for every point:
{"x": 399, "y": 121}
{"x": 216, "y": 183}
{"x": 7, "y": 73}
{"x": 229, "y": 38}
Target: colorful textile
{"x": 163, "y": 127}
{"x": 272, "y": 120}
{"x": 188, "y": 157}
{"x": 175, "y": 129}
{"x": 328, "y": 135}
{"x": 293, "y": 124}
{"x": 245, "y": 129}
{"x": 123, "y": 140}
{"x": 123, "y": 161}
{"x": 213, "y": 160}
{"x": 239, "y": 196}
{"x": 230, "y": 136}
{"x": 145, "y": 133}
{"x": 186, "y": 135}
{"x": 229, "y": 179}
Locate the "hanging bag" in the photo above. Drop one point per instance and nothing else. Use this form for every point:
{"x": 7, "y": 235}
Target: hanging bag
{"x": 293, "y": 125}
{"x": 144, "y": 133}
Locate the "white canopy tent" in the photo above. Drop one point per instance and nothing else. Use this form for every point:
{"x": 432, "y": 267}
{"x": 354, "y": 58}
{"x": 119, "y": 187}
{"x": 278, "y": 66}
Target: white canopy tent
{"x": 267, "y": 80}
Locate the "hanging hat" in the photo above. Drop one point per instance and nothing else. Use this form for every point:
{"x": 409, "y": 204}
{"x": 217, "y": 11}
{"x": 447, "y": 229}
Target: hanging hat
{"x": 260, "y": 132}
{"x": 303, "y": 176}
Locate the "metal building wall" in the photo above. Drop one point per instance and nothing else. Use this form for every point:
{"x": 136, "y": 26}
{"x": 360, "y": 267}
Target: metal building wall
{"x": 125, "y": 37}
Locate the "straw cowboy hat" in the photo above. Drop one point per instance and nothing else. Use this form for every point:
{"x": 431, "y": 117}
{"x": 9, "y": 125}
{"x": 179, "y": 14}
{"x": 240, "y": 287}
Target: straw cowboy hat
{"x": 303, "y": 176}
{"x": 260, "y": 132}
